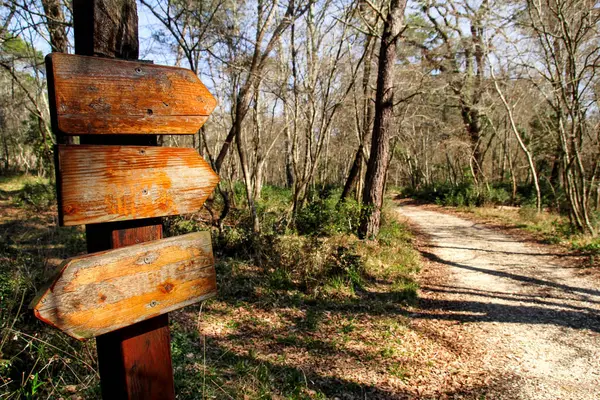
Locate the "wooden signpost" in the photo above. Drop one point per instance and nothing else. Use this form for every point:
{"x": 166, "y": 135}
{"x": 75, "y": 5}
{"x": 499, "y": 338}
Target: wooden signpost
{"x": 101, "y": 292}
{"x": 103, "y": 96}
{"x": 117, "y": 183}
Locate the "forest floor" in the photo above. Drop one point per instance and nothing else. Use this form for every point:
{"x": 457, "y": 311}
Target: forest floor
{"x": 495, "y": 318}
{"x": 530, "y": 312}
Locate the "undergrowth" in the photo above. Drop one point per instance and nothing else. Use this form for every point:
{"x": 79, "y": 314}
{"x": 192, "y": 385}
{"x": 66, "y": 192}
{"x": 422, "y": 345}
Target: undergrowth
{"x": 468, "y": 194}
{"x": 313, "y": 276}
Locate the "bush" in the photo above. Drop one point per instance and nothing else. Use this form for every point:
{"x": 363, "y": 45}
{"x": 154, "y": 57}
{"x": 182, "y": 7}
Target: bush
{"x": 38, "y": 195}
{"x": 326, "y": 216}
{"x": 273, "y": 208}
{"x": 311, "y": 262}
{"x": 591, "y": 248}
{"x": 469, "y": 195}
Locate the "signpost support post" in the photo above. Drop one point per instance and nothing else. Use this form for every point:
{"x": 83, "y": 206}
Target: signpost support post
{"x": 119, "y": 183}
{"x": 134, "y": 362}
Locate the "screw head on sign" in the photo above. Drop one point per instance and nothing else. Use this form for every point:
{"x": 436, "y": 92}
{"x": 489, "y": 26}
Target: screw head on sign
{"x": 147, "y": 259}
{"x": 153, "y": 303}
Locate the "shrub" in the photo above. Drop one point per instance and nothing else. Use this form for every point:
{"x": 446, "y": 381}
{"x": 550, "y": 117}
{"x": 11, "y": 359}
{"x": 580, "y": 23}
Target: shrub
{"x": 469, "y": 195}
{"x": 180, "y": 225}
{"x": 591, "y": 247}
{"x": 326, "y": 216}
{"x": 38, "y": 195}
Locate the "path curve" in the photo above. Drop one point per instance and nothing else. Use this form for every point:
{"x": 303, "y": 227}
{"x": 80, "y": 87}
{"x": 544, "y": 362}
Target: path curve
{"x": 524, "y": 303}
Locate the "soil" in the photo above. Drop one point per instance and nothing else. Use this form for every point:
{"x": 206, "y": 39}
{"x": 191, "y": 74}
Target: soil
{"x": 532, "y": 318}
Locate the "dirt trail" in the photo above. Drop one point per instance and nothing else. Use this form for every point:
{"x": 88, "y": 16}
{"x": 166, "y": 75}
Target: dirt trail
{"x": 537, "y": 321}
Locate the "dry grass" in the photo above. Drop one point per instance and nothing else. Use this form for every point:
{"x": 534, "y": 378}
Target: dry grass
{"x": 297, "y": 317}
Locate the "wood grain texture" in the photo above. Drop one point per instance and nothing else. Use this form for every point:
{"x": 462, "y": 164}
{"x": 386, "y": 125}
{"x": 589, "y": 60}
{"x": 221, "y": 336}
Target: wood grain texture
{"x": 95, "y": 95}
{"x": 99, "y": 293}
{"x": 135, "y": 362}
{"x": 117, "y": 183}
{"x": 108, "y": 28}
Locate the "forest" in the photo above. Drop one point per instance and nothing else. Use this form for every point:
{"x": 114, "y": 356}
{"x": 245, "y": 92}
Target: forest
{"x": 329, "y": 113}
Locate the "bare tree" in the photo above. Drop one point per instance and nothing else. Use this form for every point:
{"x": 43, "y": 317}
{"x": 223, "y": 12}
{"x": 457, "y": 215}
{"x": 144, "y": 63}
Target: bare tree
{"x": 565, "y": 33}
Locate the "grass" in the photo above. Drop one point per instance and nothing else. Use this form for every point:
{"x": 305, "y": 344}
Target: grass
{"x": 301, "y": 313}
{"x": 34, "y": 360}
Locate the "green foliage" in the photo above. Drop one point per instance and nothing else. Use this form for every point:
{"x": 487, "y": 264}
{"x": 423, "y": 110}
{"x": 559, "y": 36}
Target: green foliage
{"x": 591, "y": 247}
{"x": 180, "y": 225}
{"x": 308, "y": 269}
{"x": 528, "y": 213}
{"x": 18, "y": 48}
{"x": 323, "y": 257}
{"x": 40, "y": 143}
{"x": 393, "y": 233}
{"x": 469, "y": 195}
{"x": 273, "y": 208}
{"x": 202, "y": 369}
{"x": 447, "y": 194}
{"x": 326, "y": 216}
{"x": 39, "y": 195}
{"x": 33, "y": 356}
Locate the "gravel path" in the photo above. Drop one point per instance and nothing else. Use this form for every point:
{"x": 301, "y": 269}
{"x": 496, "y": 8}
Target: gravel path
{"x": 537, "y": 321}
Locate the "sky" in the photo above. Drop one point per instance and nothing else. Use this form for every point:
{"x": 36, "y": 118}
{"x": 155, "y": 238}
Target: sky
{"x": 149, "y": 49}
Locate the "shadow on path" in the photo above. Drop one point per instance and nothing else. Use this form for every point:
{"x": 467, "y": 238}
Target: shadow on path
{"x": 543, "y": 312}
{"x": 519, "y": 278}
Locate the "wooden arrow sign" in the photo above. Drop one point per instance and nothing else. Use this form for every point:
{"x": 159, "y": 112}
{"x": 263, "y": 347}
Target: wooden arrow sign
{"x": 116, "y": 183}
{"x": 93, "y": 95}
{"x": 102, "y": 292}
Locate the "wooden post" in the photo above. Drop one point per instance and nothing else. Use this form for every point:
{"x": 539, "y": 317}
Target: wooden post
{"x": 119, "y": 184}
{"x": 134, "y": 362}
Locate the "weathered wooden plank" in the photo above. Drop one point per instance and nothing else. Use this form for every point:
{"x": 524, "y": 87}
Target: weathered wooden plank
{"x": 173, "y": 124}
{"x": 101, "y": 292}
{"x": 134, "y": 362}
{"x": 95, "y": 95}
{"x": 117, "y": 183}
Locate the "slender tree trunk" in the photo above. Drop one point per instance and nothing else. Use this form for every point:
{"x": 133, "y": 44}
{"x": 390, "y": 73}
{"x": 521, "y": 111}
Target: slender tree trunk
{"x": 367, "y": 111}
{"x": 353, "y": 174}
{"x": 530, "y": 162}
{"x": 384, "y": 106}
{"x": 55, "y": 22}
{"x": 289, "y": 163}
{"x": 57, "y": 30}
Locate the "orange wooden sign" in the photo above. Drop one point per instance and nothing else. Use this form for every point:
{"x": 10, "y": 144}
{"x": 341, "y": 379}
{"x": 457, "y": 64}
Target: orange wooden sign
{"x": 93, "y": 95}
{"x": 101, "y": 292}
{"x": 116, "y": 183}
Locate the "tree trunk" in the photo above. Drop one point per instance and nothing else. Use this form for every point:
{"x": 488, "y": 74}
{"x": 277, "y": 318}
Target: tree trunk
{"x": 526, "y": 151}
{"x": 55, "y": 22}
{"x": 353, "y": 174}
{"x": 367, "y": 110}
{"x": 384, "y": 107}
